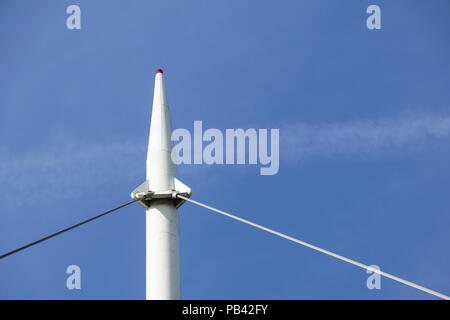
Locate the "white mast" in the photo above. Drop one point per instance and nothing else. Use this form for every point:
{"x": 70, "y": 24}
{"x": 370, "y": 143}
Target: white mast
{"x": 161, "y": 186}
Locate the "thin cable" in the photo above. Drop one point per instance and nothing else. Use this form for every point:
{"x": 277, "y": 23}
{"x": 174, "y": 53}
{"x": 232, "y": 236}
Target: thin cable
{"x": 67, "y": 229}
{"x": 334, "y": 255}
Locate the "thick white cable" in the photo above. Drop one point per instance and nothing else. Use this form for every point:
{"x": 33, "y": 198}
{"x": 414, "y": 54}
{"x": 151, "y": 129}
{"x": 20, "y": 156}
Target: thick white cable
{"x": 334, "y": 255}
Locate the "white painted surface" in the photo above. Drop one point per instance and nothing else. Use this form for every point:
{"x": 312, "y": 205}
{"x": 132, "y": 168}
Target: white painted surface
{"x": 162, "y": 233}
{"x": 163, "y": 252}
{"x": 161, "y": 171}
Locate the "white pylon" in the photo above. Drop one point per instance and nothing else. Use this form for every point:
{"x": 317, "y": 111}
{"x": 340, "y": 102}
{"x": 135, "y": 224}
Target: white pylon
{"x": 161, "y": 187}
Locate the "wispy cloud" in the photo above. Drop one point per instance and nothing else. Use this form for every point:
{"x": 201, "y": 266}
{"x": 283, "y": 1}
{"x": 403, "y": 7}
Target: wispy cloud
{"x": 301, "y": 140}
{"x": 64, "y": 168}
{"x": 74, "y": 167}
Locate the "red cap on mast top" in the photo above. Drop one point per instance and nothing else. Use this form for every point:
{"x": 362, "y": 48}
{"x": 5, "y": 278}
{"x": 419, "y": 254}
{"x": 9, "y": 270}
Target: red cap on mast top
{"x": 159, "y": 70}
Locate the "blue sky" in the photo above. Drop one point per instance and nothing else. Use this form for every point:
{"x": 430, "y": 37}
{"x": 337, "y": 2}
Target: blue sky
{"x": 364, "y": 119}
